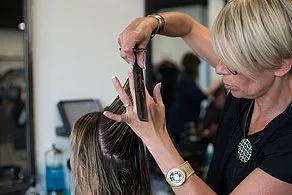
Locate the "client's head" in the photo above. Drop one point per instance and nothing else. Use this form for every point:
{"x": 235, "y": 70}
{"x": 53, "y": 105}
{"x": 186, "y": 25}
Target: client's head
{"x": 106, "y": 156}
{"x": 190, "y": 64}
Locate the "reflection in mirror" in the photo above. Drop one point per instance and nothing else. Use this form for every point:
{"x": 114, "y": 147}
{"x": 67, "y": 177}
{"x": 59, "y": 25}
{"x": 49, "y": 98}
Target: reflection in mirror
{"x": 13, "y": 113}
{"x": 165, "y": 61}
{"x": 173, "y": 49}
{"x": 167, "y": 56}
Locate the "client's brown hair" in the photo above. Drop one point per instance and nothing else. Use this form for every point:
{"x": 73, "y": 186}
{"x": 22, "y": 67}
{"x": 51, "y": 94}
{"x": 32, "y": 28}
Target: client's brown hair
{"x": 190, "y": 64}
{"x": 108, "y": 157}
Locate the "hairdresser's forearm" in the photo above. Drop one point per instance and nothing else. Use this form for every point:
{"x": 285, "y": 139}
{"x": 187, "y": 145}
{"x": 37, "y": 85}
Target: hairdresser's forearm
{"x": 164, "y": 152}
{"x": 177, "y": 24}
{"x": 167, "y": 157}
{"x": 193, "y": 33}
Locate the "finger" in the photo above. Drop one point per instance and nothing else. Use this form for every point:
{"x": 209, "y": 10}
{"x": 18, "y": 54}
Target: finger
{"x": 157, "y": 94}
{"x": 140, "y": 56}
{"x": 121, "y": 92}
{"x": 127, "y": 42}
{"x": 127, "y": 45}
{"x": 115, "y": 117}
{"x": 128, "y": 55}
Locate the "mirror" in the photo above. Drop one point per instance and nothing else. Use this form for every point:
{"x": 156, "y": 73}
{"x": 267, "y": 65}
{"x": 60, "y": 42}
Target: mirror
{"x": 16, "y": 132}
{"x": 164, "y": 64}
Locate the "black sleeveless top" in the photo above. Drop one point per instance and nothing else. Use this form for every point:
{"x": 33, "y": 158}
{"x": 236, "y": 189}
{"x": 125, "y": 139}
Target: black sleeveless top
{"x": 272, "y": 148}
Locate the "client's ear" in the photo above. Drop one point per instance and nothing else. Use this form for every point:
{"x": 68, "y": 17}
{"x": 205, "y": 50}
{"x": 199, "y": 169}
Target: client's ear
{"x": 81, "y": 171}
{"x": 285, "y": 67}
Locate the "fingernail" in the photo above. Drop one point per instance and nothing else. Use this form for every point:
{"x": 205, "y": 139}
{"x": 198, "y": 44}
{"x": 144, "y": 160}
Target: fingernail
{"x": 131, "y": 63}
{"x": 114, "y": 78}
{"x": 159, "y": 85}
{"x": 130, "y": 68}
{"x": 104, "y": 113}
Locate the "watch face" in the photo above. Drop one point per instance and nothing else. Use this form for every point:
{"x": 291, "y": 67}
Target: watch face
{"x": 176, "y": 177}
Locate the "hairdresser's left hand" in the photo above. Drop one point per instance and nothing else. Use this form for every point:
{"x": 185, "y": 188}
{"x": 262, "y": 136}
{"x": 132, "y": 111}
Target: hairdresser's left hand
{"x": 153, "y": 133}
{"x": 150, "y": 131}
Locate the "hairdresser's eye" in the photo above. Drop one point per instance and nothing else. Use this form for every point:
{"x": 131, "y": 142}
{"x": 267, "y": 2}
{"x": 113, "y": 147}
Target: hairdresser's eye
{"x": 234, "y": 72}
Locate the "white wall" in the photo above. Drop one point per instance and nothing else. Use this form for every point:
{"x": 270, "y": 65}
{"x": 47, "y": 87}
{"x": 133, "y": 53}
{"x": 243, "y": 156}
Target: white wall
{"x": 75, "y": 55}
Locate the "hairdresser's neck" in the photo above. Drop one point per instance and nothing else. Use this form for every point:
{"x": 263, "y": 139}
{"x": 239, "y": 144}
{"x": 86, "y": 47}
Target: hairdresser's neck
{"x": 272, "y": 103}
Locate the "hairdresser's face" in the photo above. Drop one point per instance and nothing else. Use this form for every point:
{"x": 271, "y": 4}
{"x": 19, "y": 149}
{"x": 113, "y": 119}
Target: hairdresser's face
{"x": 243, "y": 87}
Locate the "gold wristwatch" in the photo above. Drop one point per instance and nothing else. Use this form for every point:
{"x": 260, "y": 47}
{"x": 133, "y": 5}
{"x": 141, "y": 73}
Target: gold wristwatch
{"x": 178, "y": 175}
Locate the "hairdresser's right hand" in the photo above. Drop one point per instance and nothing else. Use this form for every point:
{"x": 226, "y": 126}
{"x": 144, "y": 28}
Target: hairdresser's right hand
{"x": 137, "y": 34}
{"x": 150, "y": 132}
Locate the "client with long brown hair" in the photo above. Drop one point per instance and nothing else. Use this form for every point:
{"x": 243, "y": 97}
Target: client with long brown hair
{"x": 107, "y": 157}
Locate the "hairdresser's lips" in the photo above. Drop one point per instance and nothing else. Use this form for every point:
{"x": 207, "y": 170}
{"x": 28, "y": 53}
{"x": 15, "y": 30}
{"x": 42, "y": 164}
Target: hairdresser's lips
{"x": 228, "y": 87}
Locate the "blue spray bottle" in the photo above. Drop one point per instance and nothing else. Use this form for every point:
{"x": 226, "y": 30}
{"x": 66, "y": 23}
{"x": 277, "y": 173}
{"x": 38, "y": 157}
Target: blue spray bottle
{"x": 209, "y": 154}
{"x": 54, "y": 171}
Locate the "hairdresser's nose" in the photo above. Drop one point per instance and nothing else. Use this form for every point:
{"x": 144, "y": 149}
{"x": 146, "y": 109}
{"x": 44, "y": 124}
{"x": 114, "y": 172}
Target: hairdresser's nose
{"x": 221, "y": 69}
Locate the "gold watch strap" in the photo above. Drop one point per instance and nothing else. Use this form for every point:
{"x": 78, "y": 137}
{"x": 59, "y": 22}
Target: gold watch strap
{"x": 187, "y": 169}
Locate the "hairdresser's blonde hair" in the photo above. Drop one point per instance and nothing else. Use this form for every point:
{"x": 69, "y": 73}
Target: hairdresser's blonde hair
{"x": 108, "y": 157}
{"x": 249, "y": 33}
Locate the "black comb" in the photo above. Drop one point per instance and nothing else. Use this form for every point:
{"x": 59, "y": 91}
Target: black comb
{"x": 140, "y": 89}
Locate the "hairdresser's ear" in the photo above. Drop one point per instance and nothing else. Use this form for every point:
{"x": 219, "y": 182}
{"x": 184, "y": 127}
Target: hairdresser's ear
{"x": 285, "y": 67}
